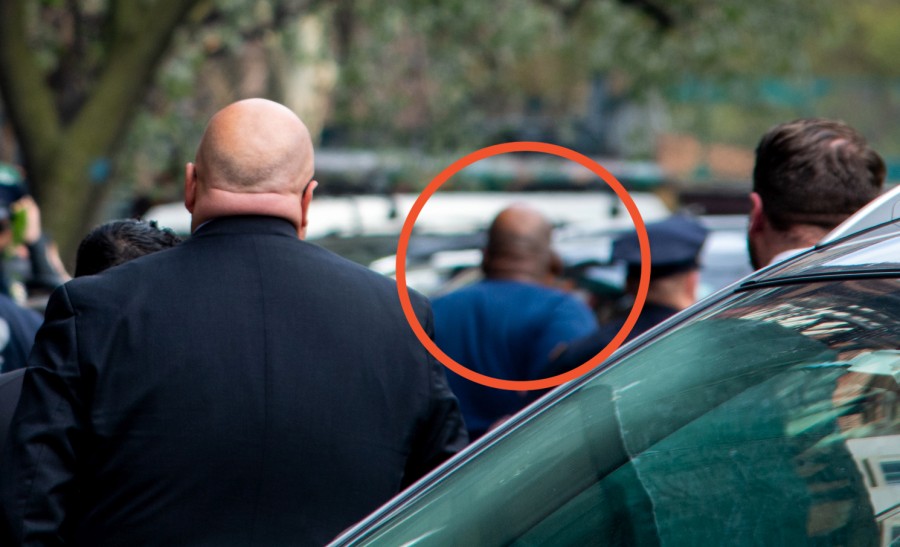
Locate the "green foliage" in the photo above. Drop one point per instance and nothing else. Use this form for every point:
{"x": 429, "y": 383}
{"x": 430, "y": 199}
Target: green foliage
{"x": 457, "y": 74}
{"x": 427, "y": 72}
{"x": 450, "y": 75}
{"x": 839, "y": 66}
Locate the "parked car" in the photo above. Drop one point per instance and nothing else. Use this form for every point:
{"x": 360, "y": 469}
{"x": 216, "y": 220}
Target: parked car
{"x": 768, "y": 414}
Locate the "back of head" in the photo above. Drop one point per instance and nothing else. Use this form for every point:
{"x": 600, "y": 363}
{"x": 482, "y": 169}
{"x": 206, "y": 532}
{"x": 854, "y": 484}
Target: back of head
{"x": 815, "y": 172}
{"x": 255, "y": 158}
{"x": 119, "y": 241}
{"x": 255, "y": 146}
{"x": 518, "y": 246}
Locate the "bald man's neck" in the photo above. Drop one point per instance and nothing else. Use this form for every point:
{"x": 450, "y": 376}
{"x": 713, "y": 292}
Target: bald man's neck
{"x": 223, "y": 203}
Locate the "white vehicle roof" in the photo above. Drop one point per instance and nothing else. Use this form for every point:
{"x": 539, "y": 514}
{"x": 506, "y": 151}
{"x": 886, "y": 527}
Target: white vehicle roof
{"x": 446, "y": 213}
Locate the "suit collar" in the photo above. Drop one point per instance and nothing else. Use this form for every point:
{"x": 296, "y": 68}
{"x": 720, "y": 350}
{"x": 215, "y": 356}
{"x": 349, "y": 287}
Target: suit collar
{"x": 243, "y": 224}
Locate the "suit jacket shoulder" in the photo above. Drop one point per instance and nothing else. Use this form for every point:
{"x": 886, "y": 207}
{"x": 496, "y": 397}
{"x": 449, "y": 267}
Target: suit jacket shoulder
{"x": 245, "y": 379}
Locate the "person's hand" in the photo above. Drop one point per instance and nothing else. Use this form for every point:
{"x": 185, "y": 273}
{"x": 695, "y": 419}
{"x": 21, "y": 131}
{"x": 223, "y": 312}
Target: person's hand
{"x": 32, "y": 219}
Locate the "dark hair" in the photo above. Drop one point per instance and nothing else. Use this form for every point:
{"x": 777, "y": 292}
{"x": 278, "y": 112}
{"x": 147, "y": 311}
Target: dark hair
{"x": 119, "y": 241}
{"x": 815, "y": 171}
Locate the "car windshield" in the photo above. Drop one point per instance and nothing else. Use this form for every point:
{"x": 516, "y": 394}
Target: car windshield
{"x": 770, "y": 419}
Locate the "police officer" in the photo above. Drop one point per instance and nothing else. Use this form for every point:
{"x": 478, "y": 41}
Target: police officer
{"x": 675, "y": 245}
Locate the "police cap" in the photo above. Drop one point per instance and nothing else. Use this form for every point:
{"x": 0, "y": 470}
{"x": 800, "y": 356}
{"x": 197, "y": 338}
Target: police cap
{"x": 675, "y": 245}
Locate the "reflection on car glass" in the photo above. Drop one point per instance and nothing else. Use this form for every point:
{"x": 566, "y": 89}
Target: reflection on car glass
{"x": 772, "y": 420}
{"x": 803, "y": 418}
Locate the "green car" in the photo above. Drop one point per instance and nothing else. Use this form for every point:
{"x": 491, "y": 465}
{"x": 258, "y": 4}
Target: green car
{"x": 768, "y": 414}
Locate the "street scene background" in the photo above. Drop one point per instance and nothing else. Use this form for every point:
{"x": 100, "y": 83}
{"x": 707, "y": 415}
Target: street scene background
{"x": 104, "y": 100}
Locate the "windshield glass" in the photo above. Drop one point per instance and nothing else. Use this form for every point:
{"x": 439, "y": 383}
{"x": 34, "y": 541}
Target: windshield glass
{"x": 770, "y": 420}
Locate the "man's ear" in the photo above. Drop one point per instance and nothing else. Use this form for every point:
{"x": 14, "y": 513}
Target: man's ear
{"x": 305, "y": 200}
{"x": 190, "y": 187}
{"x": 757, "y": 215}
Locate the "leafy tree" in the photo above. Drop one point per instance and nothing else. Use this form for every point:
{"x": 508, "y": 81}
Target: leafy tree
{"x": 70, "y": 94}
{"x": 429, "y": 74}
{"x": 452, "y": 73}
{"x": 75, "y": 73}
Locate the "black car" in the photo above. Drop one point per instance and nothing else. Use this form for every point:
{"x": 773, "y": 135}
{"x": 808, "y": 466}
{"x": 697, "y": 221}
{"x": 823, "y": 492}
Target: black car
{"x": 768, "y": 414}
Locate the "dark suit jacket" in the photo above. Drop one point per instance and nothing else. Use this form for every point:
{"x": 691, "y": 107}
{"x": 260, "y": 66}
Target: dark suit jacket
{"x": 10, "y": 388}
{"x": 22, "y": 324}
{"x": 244, "y": 388}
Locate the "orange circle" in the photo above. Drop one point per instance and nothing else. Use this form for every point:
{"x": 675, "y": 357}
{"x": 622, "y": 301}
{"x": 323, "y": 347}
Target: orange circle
{"x": 496, "y": 150}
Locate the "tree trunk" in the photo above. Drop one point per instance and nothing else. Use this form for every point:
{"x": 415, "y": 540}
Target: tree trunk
{"x": 61, "y": 159}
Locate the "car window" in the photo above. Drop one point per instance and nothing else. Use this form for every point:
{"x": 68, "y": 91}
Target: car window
{"x": 861, "y": 253}
{"x": 772, "y": 419}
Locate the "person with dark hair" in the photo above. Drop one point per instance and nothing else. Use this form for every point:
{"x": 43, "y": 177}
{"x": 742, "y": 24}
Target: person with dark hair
{"x": 119, "y": 241}
{"x": 506, "y": 325}
{"x": 810, "y": 175}
{"x": 107, "y": 245}
{"x": 245, "y": 387}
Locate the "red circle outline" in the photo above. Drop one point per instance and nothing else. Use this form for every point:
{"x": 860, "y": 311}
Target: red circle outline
{"x": 496, "y": 150}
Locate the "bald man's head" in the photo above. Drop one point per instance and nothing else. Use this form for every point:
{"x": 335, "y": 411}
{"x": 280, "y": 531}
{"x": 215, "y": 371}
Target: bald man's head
{"x": 255, "y": 157}
{"x": 255, "y": 145}
{"x": 518, "y": 246}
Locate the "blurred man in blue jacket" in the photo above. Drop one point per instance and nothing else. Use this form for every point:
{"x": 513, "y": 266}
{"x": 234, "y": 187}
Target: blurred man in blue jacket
{"x": 507, "y": 325}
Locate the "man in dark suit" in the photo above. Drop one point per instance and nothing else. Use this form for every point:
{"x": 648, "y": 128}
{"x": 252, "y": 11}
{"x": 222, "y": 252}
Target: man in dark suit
{"x": 10, "y": 386}
{"x": 243, "y": 388}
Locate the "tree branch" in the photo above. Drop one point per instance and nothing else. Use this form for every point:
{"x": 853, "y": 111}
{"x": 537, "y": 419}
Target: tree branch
{"x": 344, "y": 20}
{"x": 141, "y": 35}
{"x": 28, "y": 100}
{"x": 663, "y": 19}
{"x": 570, "y": 11}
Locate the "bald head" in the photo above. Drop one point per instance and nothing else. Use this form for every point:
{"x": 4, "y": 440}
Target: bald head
{"x": 255, "y": 157}
{"x": 518, "y": 246}
{"x": 255, "y": 145}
